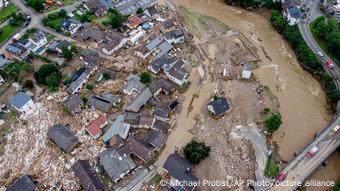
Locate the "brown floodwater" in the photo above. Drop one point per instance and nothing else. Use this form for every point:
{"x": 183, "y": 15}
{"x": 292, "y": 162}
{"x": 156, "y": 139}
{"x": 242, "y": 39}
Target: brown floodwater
{"x": 302, "y": 102}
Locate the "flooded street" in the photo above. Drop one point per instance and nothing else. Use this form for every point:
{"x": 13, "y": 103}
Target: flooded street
{"x": 302, "y": 102}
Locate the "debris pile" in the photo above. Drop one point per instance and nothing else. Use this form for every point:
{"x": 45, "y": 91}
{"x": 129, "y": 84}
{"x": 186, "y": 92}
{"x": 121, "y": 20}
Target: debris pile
{"x": 29, "y": 151}
{"x": 112, "y": 86}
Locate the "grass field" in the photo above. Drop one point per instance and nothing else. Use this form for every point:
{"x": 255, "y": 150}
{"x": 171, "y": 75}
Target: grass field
{"x": 6, "y": 12}
{"x": 6, "y": 32}
{"x": 271, "y": 169}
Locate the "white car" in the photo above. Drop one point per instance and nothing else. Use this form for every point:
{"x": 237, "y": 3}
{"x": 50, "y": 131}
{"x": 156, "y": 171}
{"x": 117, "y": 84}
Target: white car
{"x": 336, "y": 128}
{"x": 320, "y": 54}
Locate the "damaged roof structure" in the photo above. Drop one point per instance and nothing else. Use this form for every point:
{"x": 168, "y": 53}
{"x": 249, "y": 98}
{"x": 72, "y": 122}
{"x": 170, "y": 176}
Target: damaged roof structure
{"x": 63, "y": 137}
{"x": 87, "y": 176}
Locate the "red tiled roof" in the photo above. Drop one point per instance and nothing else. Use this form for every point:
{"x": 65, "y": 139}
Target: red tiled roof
{"x": 134, "y": 21}
{"x": 94, "y": 128}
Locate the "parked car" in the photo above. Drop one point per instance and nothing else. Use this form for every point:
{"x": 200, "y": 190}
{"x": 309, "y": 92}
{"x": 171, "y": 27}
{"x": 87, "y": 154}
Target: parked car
{"x": 320, "y": 54}
{"x": 281, "y": 177}
{"x": 335, "y": 129}
{"x": 312, "y": 151}
{"x": 329, "y": 64}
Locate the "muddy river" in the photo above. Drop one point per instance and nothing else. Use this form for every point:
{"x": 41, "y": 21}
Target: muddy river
{"x": 302, "y": 102}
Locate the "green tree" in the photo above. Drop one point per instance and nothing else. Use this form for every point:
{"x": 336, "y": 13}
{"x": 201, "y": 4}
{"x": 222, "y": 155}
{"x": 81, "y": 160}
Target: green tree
{"x": 106, "y": 76}
{"x": 62, "y": 13}
{"x": 53, "y": 81}
{"x": 140, "y": 10}
{"x": 195, "y": 151}
{"x": 37, "y": 5}
{"x": 28, "y": 84}
{"x": 336, "y": 186}
{"x": 67, "y": 53}
{"x": 45, "y": 71}
{"x": 89, "y": 86}
{"x": 273, "y": 122}
{"x": 145, "y": 77}
{"x": 14, "y": 70}
{"x": 116, "y": 19}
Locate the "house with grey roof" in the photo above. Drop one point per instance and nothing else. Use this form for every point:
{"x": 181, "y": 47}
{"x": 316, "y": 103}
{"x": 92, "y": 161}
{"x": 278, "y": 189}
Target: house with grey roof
{"x": 73, "y": 104}
{"x": 182, "y": 177}
{"x": 87, "y": 176}
{"x": 161, "y": 114}
{"x": 160, "y": 85}
{"x": 119, "y": 127}
{"x": 177, "y": 73}
{"x": 138, "y": 120}
{"x": 106, "y": 71}
{"x": 139, "y": 149}
{"x": 156, "y": 65}
{"x": 138, "y": 102}
{"x": 114, "y": 99}
{"x": 128, "y": 7}
{"x": 144, "y": 51}
{"x": 292, "y": 11}
{"x": 21, "y": 102}
{"x": 152, "y": 12}
{"x": 70, "y": 26}
{"x": 163, "y": 49}
{"x": 24, "y": 183}
{"x": 156, "y": 139}
{"x": 99, "y": 103}
{"x": 36, "y": 41}
{"x": 115, "y": 41}
{"x": 218, "y": 106}
{"x": 3, "y": 62}
{"x": 133, "y": 85}
{"x": 116, "y": 165}
{"x": 90, "y": 34}
{"x": 174, "y": 36}
{"x": 17, "y": 51}
{"x": 60, "y": 45}
{"x": 63, "y": 137}
{"x": 160, "y": 126}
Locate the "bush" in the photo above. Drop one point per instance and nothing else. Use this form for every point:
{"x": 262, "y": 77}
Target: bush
{"x": 14, "y": 70}
{"x": 89, "y": 86}
{"x": 140, "y": 10}
{"x": 145, "y": 77}
{"x": 273, "y": 122}
{"x": 336, "y": 186}
{"x": 28, "y": 84}
{"x": 106, "y": 76}
{"x": 195, "y": 151}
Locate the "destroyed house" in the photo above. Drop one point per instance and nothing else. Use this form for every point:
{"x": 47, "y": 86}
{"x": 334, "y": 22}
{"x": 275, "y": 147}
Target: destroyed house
{"x": 73, "y": 104}
{"x": 138, "y": 102}
{"x": 63, "y": 137}
{"x": 99, "y": 103}
{"x": 175, "y": 36}
{"x": 87, "y": 176}
{"x": 133, "y": 85}
{"x": 161, "y": 114}
{"x": 95, "y": 127}
{"x": 180, "y": 171}
{"x": 116, "y": 165}
{"x": 22, "y": 184}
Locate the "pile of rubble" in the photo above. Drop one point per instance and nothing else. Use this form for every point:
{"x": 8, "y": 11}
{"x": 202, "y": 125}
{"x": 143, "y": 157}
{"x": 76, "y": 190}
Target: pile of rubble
{"x": 29, "y": 151}
{"x": 115, "y": 86}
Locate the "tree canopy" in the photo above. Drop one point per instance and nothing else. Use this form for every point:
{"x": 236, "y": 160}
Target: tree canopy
{"x": 116, "y": 19}
{"x": 195, "y": 151}
{"x": 37, "y": 5}
{"x": 49, "y": 74}
{"x": 273, "y": 122}
{"x": 336, "y": 186}
{"x": 14, "y": 70}
{"x": 145, "y": 77}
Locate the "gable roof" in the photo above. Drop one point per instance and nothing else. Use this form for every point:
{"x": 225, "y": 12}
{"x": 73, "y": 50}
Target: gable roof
{"x": 160, "y": 84}
{"x": 22, "y": 184}
{"x": 94, "y": 128}
{"x": 179, "y": 168}
{"x": 19, "y": 100}
{"x": 87, "y": 176}
{"x": 118, "y": 128}
{"x": 140, "y": 100}
{"x": 164, "y": 47}
{"x": 155, "y": 138}
{"x": 116, "y": 165}
{"x": 133, "y": 82}
{"x": 159, "y": 126}
{"x": 62, "y": 137}
{"x": 161, "y": 62}
{"x": 140, "y": 150}
{"x": 99, "y": 103}
{"x": 177, "y": 70}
